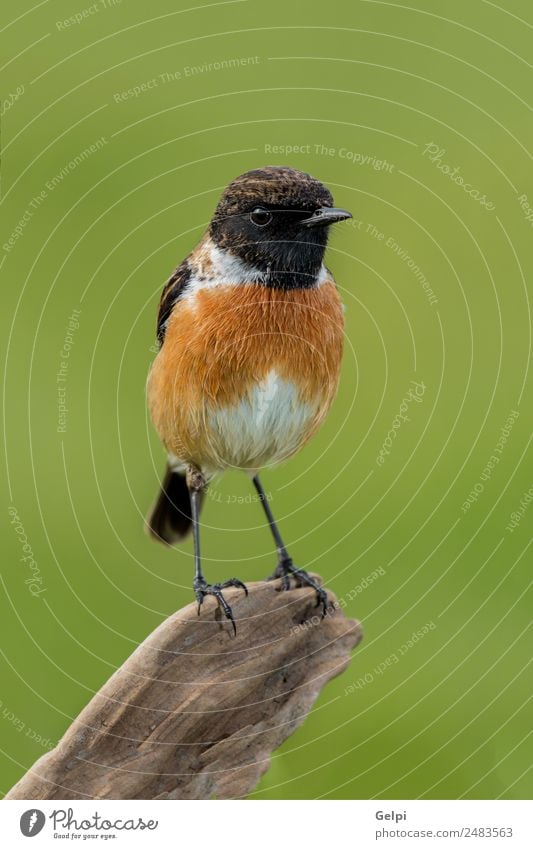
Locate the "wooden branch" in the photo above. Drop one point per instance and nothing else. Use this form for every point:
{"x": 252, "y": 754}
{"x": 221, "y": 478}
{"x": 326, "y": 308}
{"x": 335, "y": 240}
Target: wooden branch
{"x": 195, "y": 712}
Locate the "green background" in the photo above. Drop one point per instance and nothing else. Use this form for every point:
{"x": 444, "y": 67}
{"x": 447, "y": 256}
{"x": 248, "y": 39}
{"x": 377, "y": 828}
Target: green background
{"x": 450, "y": 718}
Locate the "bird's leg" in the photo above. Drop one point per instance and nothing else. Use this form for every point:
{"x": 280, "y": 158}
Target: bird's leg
{"x": 197, "y": 484}
{"x": 285, "y": 568}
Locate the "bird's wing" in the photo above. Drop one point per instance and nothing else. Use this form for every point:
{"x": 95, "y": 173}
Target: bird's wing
{"x": 172, "y": 290}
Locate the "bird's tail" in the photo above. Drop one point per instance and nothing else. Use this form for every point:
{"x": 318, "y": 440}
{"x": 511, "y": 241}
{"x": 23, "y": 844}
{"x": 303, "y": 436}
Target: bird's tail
{"x": 170, "y": 519}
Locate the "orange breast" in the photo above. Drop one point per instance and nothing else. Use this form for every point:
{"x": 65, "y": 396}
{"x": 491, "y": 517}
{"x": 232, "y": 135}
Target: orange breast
{"x": 224, "y": 342}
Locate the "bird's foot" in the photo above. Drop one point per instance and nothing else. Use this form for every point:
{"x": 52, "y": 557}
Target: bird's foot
{"x": 202, "y": 588}
{"x": 286, "y": 570}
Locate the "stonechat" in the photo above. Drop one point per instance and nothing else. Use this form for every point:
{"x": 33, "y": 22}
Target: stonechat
{"x": 250, "y": 329}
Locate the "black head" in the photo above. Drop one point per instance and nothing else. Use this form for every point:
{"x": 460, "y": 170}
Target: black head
{"x": 277, "y": 220}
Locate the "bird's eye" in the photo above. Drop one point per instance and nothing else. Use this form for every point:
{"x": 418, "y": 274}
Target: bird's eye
{"x": 260, "y": 216}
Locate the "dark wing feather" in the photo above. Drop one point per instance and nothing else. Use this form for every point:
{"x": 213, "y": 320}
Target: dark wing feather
{"x": 174, "y": 287}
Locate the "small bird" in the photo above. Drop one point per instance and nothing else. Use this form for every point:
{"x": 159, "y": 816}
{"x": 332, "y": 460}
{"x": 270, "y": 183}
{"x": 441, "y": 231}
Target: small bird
{"x": 250, "y": 329}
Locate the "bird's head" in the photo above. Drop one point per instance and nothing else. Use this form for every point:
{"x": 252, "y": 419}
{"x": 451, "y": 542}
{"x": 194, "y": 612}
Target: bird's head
{"x": 276, "y": 220}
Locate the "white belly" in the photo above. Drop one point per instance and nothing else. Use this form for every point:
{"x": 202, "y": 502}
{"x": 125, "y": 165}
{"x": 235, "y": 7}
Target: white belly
{"x": 265, "y": 427}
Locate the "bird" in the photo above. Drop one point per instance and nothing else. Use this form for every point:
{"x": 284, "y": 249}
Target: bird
{"x": 250, "y": 331}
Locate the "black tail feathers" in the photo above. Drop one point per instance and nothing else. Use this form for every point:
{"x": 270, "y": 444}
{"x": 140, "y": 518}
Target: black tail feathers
{"x": 171, "y": 518}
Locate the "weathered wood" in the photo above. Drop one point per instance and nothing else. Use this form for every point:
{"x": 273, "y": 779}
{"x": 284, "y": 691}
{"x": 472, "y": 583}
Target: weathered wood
{"x": 195, "y": 712}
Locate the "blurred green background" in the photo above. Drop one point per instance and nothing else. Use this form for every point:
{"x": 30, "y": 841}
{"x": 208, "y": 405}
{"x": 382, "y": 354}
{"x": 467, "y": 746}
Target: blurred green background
{"x": 389, "y": 105}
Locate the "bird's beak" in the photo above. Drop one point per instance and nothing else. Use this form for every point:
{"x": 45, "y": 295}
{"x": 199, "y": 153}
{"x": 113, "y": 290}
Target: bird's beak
{"x": 327, "y": 215}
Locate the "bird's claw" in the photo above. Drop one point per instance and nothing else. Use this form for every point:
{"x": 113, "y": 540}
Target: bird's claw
{"x": 202, "y": 588}
{"x": 286, "y": 570}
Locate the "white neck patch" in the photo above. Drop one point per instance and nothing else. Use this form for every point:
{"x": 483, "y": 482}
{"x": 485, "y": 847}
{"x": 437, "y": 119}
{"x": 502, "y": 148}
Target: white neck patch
{"x": 228, "y": 268}
{"x": 219, "y": 267}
